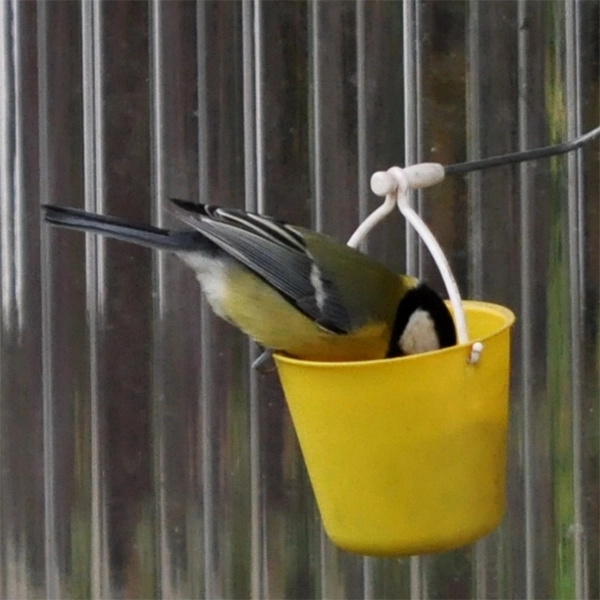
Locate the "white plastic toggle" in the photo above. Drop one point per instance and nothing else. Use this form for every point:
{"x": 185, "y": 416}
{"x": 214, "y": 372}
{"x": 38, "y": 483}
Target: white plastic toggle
{"x": 417, "y": 177}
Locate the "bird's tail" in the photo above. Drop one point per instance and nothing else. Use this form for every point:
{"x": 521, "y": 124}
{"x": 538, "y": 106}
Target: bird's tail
{"x": 146, "y": 235}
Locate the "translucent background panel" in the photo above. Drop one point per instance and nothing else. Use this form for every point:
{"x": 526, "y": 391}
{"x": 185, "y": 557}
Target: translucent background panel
{"x": 140, "y": 455}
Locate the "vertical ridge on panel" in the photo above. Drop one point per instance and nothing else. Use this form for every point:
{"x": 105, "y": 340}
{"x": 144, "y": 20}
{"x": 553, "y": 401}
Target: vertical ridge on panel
{"x": 443, "y": 40}
{"x": 13, "y": 573}
{"x": 384, "y": 124}
{"x": 492, "y": 205}
{"x": 53, "y": 571}
{"x": 253, "y": 201}
{"x": 587, "y": 61}
{"x": 576, "y": 258}
{"x": 28, "y": 294}
{"x": 528, "y": 567}
{"x": 93, "y": 199}
{"x": 22, "y": 551}
{"x": 207, "y": 398}
{"x": 495, "y": 132}
{"x": 475, "y": 244}
{"x": 315, "y": 125}
{"x": 412, "y": 154}
{"x": 411, "y": 117}
{"x": 412, "y": 127}
{"x": 443, "y": 123}
{"x": 281, "y": 79}
{"x": 177, "y": 329}
{"x": 225, "y": 449}
{"x": 362, "y": 115}
{"x": 120, "y": 282}
{"x": 474, "y": 151}
{"x": 380, "y": 144}
{"x": 526, "y": 305}
{"x": 225, "y": 172}
{"x": 316, "y": 114}
{"x": 333, "y": 104}
{"x": 66, "y": 372}
{"x": 213, "y": 585}
{"x": 560, "y": 338}
{"x": 333, "y": 156}
{"x": 159, "y": 391}
{"x": 363, "y": 189}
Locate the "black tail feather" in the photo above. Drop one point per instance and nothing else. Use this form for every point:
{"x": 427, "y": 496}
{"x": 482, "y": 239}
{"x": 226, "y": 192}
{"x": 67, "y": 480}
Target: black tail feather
{"x": 145, "y": 235}
{"x": 186, "y": 205}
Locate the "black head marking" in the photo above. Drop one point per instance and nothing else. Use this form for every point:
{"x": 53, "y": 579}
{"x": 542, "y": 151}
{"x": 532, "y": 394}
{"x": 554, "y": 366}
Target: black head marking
{"x": 422, "y": 298}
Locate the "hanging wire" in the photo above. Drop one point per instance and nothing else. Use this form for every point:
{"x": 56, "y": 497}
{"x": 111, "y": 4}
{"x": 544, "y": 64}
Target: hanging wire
{"x": 516, "y": 157}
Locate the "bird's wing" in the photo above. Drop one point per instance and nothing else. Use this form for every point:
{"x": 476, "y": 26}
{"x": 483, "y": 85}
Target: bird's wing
{"x": 276, "y": 253}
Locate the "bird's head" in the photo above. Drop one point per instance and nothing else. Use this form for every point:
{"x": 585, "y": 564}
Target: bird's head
{"x": 423, "y": 323}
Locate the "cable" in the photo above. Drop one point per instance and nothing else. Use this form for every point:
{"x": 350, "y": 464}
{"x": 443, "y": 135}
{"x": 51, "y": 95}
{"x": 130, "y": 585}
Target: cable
{"x": 515, "y": 157}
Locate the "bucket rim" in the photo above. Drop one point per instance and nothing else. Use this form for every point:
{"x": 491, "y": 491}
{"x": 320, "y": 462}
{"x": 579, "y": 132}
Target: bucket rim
{"x": 498, "y": 309}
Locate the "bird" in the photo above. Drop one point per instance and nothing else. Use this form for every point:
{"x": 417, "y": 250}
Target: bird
{"x": 293, "y": 290}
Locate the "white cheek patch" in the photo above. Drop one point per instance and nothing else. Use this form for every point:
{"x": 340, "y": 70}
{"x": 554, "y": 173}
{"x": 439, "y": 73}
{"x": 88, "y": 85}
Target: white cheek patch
{"x": 419, "y": 334}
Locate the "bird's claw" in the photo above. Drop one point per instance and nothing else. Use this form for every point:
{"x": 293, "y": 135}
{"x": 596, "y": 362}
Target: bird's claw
{"x": 262, "y": 363}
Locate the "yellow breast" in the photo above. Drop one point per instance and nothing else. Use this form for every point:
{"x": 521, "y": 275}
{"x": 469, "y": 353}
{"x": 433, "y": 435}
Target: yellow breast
{"x": 266, "y": 316}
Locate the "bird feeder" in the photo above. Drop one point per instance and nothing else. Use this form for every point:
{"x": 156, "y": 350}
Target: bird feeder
{"x": 408, "y": 455}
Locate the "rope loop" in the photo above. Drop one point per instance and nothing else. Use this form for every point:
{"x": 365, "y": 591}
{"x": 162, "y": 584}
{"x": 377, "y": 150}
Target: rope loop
{"x": 395, "y": 184}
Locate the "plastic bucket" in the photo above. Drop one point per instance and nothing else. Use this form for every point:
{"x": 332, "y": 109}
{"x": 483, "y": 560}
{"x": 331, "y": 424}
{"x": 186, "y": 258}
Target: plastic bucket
{"x": 408, "y": 455}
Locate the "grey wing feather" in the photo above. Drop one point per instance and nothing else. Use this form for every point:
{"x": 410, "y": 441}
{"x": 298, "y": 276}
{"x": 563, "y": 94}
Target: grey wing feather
{"x": 285, "y": 266}
{"x": 287, "y": 271}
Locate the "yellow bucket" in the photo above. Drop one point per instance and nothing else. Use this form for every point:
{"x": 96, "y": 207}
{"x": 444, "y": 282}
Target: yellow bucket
{"x": 408, "y": 455}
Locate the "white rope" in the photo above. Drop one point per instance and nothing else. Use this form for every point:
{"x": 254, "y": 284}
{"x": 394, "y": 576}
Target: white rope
{"x": 394, "y": 184}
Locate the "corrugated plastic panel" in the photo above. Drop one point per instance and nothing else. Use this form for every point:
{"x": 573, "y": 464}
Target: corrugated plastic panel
{"x": 140, "y": 455}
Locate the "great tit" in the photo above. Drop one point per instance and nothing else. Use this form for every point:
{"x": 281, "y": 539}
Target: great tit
{"x": 293, "y": 290}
